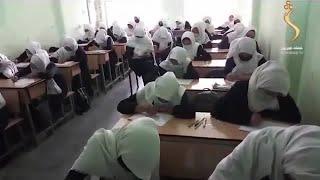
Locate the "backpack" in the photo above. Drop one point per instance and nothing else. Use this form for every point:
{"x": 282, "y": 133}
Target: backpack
{"x": 82, "y": 101}
{"x": 205, "y": 101}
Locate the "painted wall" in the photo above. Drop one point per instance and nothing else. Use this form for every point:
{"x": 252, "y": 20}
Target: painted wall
{"x": 46, "y": 21}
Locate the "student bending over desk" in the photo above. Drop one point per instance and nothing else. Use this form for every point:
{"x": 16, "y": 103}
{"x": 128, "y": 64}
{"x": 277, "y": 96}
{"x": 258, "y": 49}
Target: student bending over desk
{"x": 88, "y": 34}
{"x": 201, "y": 37}
{"x": 8, "y": 69}
{"x": 129, "y": 29}
{"x": 178, "y": 63}
{"x": 264, "y": 96}
{"x": 163, "y": 95}
{"x": 274, "y": 154}
{"x": 71, "y": 52}
{"x": 195, "y": 50}
{"x": 31, "y": 49}
{"x": 4, "y": 120}
{"x": 228, "y": 24}
{"x": 251, "y": 33}
{"x": 163, "y": 40}
{"x": 242, "y": 59}
{"x": 128, "y": 153}
{"x": 56, "y": 85}
{"x": 117, "y": 33}
{"x": 209, "y": 27}
{"x": 234, "y": 33}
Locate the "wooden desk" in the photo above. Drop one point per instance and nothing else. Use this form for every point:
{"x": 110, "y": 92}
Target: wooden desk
{"x": 218, "y": 53}
{"x": 83, "y": 45}
{"x": 96, "y": 60}
{"x": 208, "y": 83}
{"x": 27, "y": 90}
{"x": 215, "y": 42}
{"x": 194, "y": 153}
{"x": 204, "y": 68}
{"x": 120, "y": 49}
{"x": 69, "y": 70}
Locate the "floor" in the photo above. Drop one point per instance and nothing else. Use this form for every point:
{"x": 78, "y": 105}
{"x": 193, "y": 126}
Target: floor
{"x": 52, "y": 159}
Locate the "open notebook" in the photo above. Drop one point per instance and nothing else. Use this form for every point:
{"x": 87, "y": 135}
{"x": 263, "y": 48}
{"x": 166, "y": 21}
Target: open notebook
{"x": 160, "y": 118}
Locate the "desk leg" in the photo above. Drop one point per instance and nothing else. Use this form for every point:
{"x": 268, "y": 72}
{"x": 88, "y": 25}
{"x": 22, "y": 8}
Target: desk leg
{"x": 33, "y": 129}
{"x": 110, "y": 72}
{"x": 130, "y": 81}
{"x": 103, "y": 81}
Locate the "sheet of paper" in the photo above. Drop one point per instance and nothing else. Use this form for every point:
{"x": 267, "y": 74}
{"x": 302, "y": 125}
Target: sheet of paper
{"x": 160, "y": 118}
{"x": 264, "y": 124}
{"x": 185, "y": 82}
{"x": 23, "y": 82}
{"x": 221, "y": 86}
{"x": 22, "y": 65}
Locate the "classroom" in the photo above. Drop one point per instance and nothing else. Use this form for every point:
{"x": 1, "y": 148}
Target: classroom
{"x": 159, "y": 90}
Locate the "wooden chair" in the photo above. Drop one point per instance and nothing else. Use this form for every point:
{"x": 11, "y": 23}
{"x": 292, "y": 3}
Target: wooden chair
{"x": 94, "y": 68}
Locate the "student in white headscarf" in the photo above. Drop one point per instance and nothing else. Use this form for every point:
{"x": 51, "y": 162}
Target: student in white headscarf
{"x": 89, "y": 34}
{"x": 4, "y": 120}
{"x": 242, "y": 59}
{"x": 201, "y": 37}
{"x": 179, "y": 25}
{"x": 264, "y": 96}
{"x": 163, "y": 95}
{"x": 138, "y": 22}
{"x": 130, "y": 28}
{"x": 31, "y": 49}
{"x": 228, "y": 24}
{"x": 234, "y": 33}
{"x": 140, "y": 53}
{"x": 195, "y": 50}
{"x": 274, "y": 153}
{"x": 70, "y": 51}
{"x": 178, "y": 63}
{"x": 210, "y": 30}
{"x": 251, "y": 33}
{"x": 56, "y": 85}
{"x": 117, "y": 33}
{"x": 127, "y": 153}
{"x": 163, "y": 40}
{"x": 8, "y": 69}
{"x": 161, "y": 23}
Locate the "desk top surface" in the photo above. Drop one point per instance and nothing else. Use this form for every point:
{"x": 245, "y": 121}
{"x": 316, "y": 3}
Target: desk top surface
{"x": 67, "y": 64}
{"x": 20, "y": 84}
{"x": 83, "y": 45}
{"x": 216, "y": 50}
{"x": 119, "y": 44}
{"x": 219, "y": 63}
{"x": 217, "y": 84}
{"x": 217, "y": 41}
{"x": 97, "y": 52}
{"x": 214, "y": 129}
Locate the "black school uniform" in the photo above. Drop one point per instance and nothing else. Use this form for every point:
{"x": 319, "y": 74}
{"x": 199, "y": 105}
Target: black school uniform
{"x": 120, "y": 40}
{"x": 190, "y": 74}
{"x": 234, "y": 108}
{"x": 162, "y": 55}
{"x": 202, "y": 55}
{"x": 23, "y": 57}
{"x": 184, "y": 110}
{"x": 4, "y": 120}
{"x": 230, "y": 64}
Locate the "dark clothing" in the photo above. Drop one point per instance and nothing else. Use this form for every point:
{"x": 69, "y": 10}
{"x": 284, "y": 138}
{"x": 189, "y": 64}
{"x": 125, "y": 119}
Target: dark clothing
{"x": 23, "y": 57}
{"x": 202, "y": 55}
{"x": 208, "y": 45}
{"x": 224, "y": 44}
{"x": 74, "y": 175}
{"x": 187, "y": 26}
{"x": 120, "y": 40}
{"x": 94, "y": 43}
{"x": 143, "y": 66}
{"x": 83, "y": 41}
{"x": 211, "y": 37}
{"x": 230, "y": 64}
{"x": 190, "y": 74}
{"x": 4, "y": 120}
{"x": 162, "y": 55}
{"x": 258, "y": 48}
{"x": 234, "y": 108}
{"x": 184, "y": 110}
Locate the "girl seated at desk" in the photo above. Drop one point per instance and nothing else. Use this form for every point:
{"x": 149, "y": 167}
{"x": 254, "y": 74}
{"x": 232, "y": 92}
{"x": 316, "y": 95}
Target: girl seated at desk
{"x": 242, "y": 59}
{"x": 117, "y": 33}
{"x": 140, "y": 54}
{"x": 178, "y": 63}
{"x": 179, "y": 25}
{"x": 163, "y": 40}
{"x": 56, "y": 85}
{"x": 130, "y": 28}
{"x": 201, "y": 37}
{"x": 264, "y": 96}
{"x": 31, "y": 49}
{"x": 274, "y": 153}
{"x": 210, "y": 31}
{"x": 234, "y": 33}
{"x": 195, "y": 50}
{"x": 88, "y": 34}
{"x": 126, "y": 153}
{"x": 163, "y": 95}
{"x": 228, "y": 24}
{"x": 70, "y": 51}
{"x": 9, "y": 70}
{"x": 4, "y": 120}
{"x": 251, "y": 33}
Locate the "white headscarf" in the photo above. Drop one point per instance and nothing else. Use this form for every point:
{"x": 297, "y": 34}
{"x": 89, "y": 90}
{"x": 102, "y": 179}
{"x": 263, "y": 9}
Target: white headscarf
{"x": 141, "y": 45}
{"x": 163, "y": 37}
{"x": 238, "y": 30}
{"x": 274, "y": 152}
{"x": 203, "y": 37}
{"x": 209, "y": 26}
{"x": 165, "y": 87}
{"x": 138, "y": 144}
{"x": 102, "y": 38}
{"x": 193, "y": 48}
{"x": 180, "y": 55}
{"x": 270, "y": 76}
{"x": 90, "y": 34}
{"x": 140, "y": 24}
{"x": 118, "y": 31}
{"x": 2, "y": 101}
{"x": 244, "y": 45}
{"x": 62, "y": 54}
{"x": 130, "y": 31}
{"x": 7, "y": 67}
{"x": 38, "y": 64}
{"x": 247, "y": 29}
{"x": 102, "y": 26}
{"x": 33, "y": 47}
